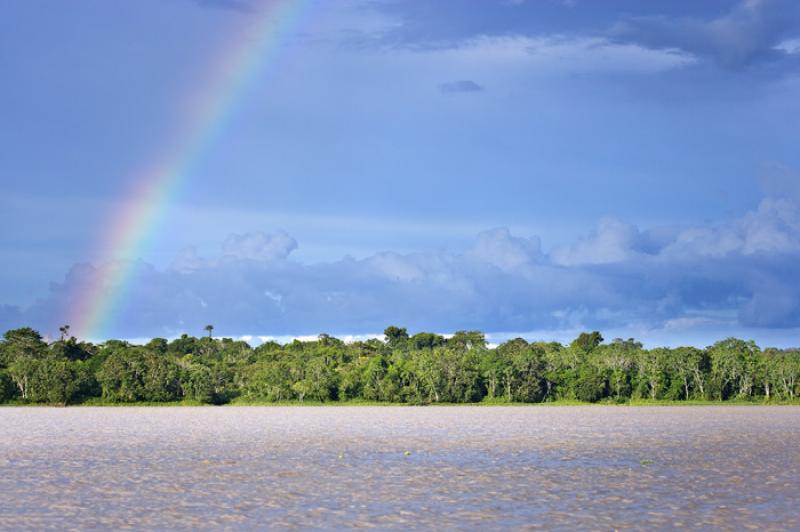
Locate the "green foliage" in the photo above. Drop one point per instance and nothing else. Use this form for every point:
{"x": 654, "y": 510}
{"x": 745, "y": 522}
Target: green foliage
{"x": 734, "y": 364}
{"x": 71, "y": 349}
{"x": 19, "y": 344}
{"x": 49, "y": 380}
{"x": 425, "y": 340}
{"x": 7, "y": 389}
{"x": 197, "y": 383}
{"x": 420, "y": 369}
{"x": 396, "y": 337}
{"x": 586, "y": 342}
{"x": 270, "y": 380}
{"x": 56, "y": 381}
{"x": 590, "y": 385}
{"x": 139, "y": 374}
{"x": 466, "y": 340}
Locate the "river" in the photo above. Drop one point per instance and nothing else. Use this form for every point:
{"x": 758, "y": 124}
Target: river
{"x": 466, "y": 467}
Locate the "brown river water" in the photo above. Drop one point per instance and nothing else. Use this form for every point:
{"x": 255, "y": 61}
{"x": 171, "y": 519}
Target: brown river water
{"x": 596, "y": 467}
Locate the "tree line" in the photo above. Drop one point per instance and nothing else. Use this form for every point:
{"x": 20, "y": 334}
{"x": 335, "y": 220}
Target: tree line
{"x": 422, "y": 368}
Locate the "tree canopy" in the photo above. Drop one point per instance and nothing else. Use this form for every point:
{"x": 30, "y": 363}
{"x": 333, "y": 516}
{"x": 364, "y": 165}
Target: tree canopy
{"x": 418, "y": 369}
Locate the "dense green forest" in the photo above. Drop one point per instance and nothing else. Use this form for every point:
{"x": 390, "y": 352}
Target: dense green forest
{"x": 420, "y": 369}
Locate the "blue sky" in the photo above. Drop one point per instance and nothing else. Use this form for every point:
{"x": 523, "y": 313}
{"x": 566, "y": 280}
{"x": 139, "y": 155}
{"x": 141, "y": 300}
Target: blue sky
{"x": 536, "y": 167}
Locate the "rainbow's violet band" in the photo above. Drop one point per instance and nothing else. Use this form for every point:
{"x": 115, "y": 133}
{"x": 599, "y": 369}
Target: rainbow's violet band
{"x": 132, "y": 230}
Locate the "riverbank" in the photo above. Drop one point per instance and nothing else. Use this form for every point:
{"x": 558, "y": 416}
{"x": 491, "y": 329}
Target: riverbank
{"x": 239, "y": 402}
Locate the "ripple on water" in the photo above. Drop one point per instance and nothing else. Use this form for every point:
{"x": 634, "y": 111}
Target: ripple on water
{"x": 606, "y": 467}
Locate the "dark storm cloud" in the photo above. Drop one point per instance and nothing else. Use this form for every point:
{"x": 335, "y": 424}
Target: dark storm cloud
{"x": 749, "y": 33}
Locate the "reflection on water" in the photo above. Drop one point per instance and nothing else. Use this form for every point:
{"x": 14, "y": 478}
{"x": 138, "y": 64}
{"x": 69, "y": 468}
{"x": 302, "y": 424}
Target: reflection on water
{"x": 395, "y": 467}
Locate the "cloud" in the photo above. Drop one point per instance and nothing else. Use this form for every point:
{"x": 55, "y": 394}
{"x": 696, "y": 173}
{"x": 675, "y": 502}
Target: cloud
{"x": 259, "y": 246}
{"x": 751, "y": 32}
{"x": 256, "y": 246}
{"x": 790, "y": 46}
{"x": 499, "y": 248}
{"x": 612, "y": 241}
{"x": 754, "y": 31}
{"x": 773, "y": 229}
{"x": 568, "y": 54}
{"x": 733, "y": 275}
{"x": 499, "y": 57}
{"x": 444, "y": 23}
{"x": 464, "y": 85}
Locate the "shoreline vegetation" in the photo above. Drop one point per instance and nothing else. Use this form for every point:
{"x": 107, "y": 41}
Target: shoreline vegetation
{"x": 237, "y": 403}
{"x": 419, "y": 369}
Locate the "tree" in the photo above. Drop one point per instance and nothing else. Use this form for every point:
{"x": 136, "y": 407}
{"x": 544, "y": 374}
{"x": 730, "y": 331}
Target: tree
{"x": 320, "y": 379}
{"x": 326, "y": 340}
{"x": 7, "y": 388}
{"x": 494, "y": 368}
{"x": 652, "y": 372}
{"x": 786, "y": 368}
{"x": 465, "y": 340}
{"x": 351, "y": 376}
{"x": 428, "y": 373}
{"x": 269, "y": 379}
{"x": 734, "y": 365}
{"x": 396, "y": 337}
{"x": 158, "y": 345}
{"x": 42, "y": 373}
{"x": 590, "y": 385}
{"x": 184, "y": 345}
{"x": 72, "y": 349}
{"x": 618, "y": 360}
{"x": 197, "y": 383}
{"x": 21, "y": 351}
{"x": 23, "y": 342}
{"x": 523, "y": 380}
{"x": 425, "y": 340}
{"x": 586, "y": 342}
{"x": 424, "y": 368}
{"x": 209, "y": 328}
{"x": 54, "y": 381}
{"x": 688, "y": 366}
{"x": 408, "y": 377}
{"x": 559, "y": 364}
{"x": 372, "y": 376}
{"x": 138, "y": 374}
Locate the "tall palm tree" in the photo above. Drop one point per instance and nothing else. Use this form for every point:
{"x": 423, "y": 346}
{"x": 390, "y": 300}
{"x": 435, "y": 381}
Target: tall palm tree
{"x": 209, "y": 328}
{"x": 64, "y": 330}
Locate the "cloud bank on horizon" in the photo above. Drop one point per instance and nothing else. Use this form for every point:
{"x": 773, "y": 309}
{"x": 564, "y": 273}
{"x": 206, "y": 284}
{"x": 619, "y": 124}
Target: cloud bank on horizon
{"x": 727, "y": 276}
{"x": 510, "y": 166}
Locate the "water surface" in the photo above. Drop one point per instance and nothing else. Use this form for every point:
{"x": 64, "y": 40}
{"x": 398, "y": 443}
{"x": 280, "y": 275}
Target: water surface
{"x": 398, "y": 467}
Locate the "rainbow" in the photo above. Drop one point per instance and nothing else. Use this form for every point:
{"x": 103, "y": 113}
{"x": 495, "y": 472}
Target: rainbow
{"x": 133, "y": 229}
